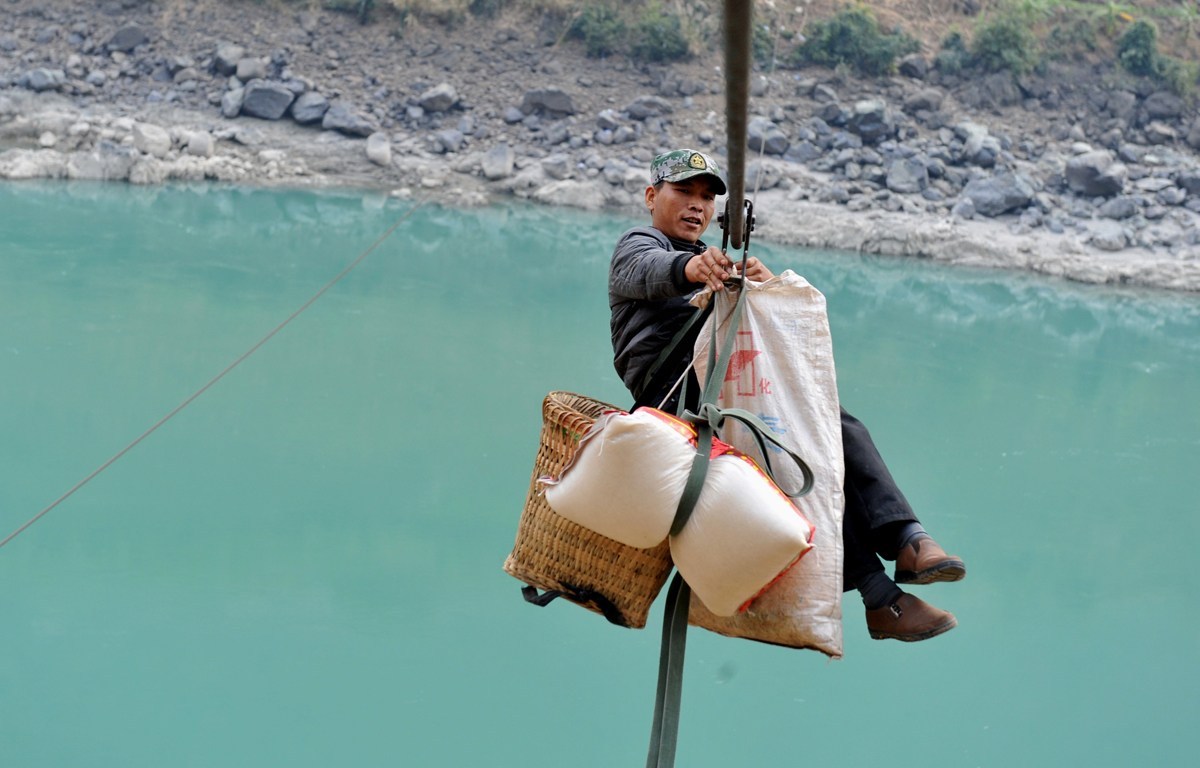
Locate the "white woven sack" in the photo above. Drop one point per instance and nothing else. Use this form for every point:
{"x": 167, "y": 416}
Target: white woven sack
{"x": 782, "y": 370}
{"x": 743, "y": 533}
{"x": 626, "y": 478}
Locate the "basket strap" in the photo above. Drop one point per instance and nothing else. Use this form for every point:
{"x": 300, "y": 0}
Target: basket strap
{"x": 577, "y": 595}
{"x": 664, "y": 731}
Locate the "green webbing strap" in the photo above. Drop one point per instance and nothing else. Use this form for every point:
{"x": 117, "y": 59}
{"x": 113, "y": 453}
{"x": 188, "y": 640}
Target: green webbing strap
{"x": 664, "y": 732}
{"x": 715, "y": 417}
{"x": 695, "y": 481}
{"x": 669, "y": 350}
{"x": 712, "y": 387}
{"x": 762, "y": 435}
{"x": 704, "y": 426}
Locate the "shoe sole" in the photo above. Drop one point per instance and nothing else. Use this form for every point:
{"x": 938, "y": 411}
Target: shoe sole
{"x": 947, "y": 570}
{"x": 914, "y": 638}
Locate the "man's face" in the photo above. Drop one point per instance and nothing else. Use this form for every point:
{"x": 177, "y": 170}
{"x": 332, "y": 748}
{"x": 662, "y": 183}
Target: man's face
{"x": 682, "y": 209}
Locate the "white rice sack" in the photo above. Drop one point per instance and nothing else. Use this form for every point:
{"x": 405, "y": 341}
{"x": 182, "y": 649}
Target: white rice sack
{"x": 783, "y": 371}
{"x": 743, "y": 534}
{"x": 626, "y": 477}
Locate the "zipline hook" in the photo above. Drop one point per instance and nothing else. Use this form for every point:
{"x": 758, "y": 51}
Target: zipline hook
{"x": 723, "y": 219}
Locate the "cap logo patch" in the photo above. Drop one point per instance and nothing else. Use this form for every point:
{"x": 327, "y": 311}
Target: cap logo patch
{"x": 697, "y": 161}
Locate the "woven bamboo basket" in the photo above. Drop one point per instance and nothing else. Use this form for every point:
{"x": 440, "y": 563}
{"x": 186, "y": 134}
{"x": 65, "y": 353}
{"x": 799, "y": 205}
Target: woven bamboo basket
{"x": 559, "y": 556}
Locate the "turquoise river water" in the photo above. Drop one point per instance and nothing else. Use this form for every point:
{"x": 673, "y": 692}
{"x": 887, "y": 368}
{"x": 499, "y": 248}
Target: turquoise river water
{"x": 303, "y": 568}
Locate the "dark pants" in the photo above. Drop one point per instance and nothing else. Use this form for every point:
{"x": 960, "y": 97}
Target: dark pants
{"x": 872, "y": 502}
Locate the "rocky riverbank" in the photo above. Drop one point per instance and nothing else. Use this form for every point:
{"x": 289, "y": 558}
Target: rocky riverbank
{"x": 1066, "y": 174}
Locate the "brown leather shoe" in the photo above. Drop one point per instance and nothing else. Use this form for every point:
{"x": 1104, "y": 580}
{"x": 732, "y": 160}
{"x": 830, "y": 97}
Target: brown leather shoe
{"x": 909, "y": 619}
{"x": 922, "y": 561}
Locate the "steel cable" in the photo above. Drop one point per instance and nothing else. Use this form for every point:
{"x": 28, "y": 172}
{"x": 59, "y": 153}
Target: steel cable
{"x": 188, "y": 401}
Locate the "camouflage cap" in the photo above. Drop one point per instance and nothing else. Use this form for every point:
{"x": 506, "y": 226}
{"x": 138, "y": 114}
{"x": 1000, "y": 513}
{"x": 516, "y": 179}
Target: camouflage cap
{"x": 681, "y": 164}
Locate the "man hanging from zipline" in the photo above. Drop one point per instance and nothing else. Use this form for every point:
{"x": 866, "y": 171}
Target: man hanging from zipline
{"x": 653, "y": 273}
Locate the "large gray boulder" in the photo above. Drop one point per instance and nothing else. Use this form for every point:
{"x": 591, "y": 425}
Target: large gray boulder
{"x": 1122, "y": 105}
{"x": 648, "y": 106}
{"x": 43, "y": 79}
{"x": 1121, "y": 207}
{"x": 151, "y": 139}
{"x": 379, "y": 149}
{"x": 995, "y": 195}
{"x": 498, "y": 162}
{"x": 1189, "y": 180}
{"x": 926, "y": 99}
{"x": 1158, "y": 132}
{"x": 439, "y": 98}
{"x": 269, "y": 101}
{"x": 1193, "y": 135}
{"x": 982, "y": 151}
{"x": 227, "y": 57}
{"x": 991, "y": 91}
{"x": 251, "y": 68}
{"x": 803, "y": 152}
{"x": 1109, "y": 235}
{"x": 764, "y": 136}
{"x": 573, "y": 193}
{"x": 107, "y": 162}
{"x": 341, "y": 117}
{"x": 200, "y": 144}
{"x": 309, "y": 108}
{"x": 449, "y": 140}
{"x": 978, "y": 146}
{"x": 1096, "y": 174}
{"x": 231, "y": 102}
{"x": 963, "y": 209}
{"x": 557, "y": 166}
{"x": 550, "y": 101}
{"x": 1163, "y": 105}
{"x": 915, "y": 66}
{"x": 908, "y": 175}
{"x": 872, "y": 120}
{"x": 608, "y": 120}
{"x": 127, "y": 38}
{"x": 1172, "y": 195}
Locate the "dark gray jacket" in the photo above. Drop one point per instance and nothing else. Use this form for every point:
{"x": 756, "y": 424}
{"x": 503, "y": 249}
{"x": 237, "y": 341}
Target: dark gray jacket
{"x": 648, "y": 296}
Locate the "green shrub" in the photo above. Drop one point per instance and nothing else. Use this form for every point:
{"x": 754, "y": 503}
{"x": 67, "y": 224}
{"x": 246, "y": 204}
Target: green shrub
{"x": 1004, "y": 42}
{"x": 1178, "y": 75}
{"x": 762, "y": 45}
{"x": 1137, "y": 52}
{"x": 953, "y": 57}
{"x": 1137, "y": 49}
{"x": 601, "y": 29}
{"x": 853, "y": 38}
{"x": 657, "y": 36}
{"x": 486, "y": 9}
{"x": 1073, "y": 38}
{"x": 360, "y": 8}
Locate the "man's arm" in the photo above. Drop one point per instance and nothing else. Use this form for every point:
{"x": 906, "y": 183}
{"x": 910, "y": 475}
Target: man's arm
{"x": 645, "y": 268}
